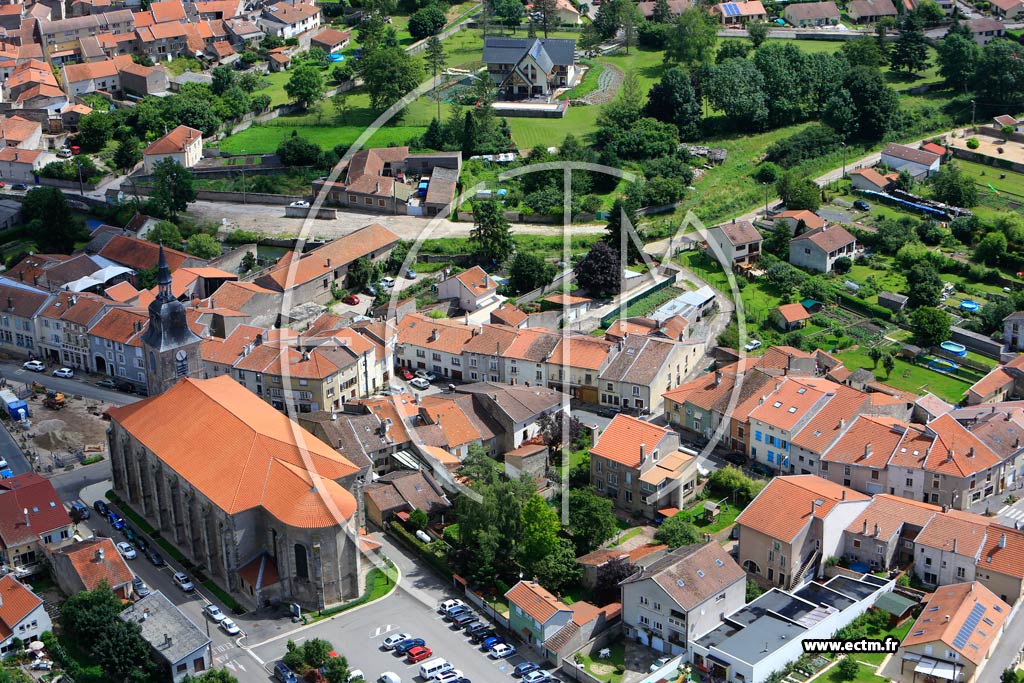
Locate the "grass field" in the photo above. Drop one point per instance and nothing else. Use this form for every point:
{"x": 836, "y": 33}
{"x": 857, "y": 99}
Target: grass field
{"x": 988, "y": 175}
{"x": 914, "y": 378}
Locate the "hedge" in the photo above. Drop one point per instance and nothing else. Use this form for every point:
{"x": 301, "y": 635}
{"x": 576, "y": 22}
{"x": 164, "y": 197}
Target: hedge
{"x": 420, "y": 547}
{"x": 371, "y": 582}
{"x": 865, "y": 307}
{"x": 224, "y": 596}
{"x": 131, "y": 514}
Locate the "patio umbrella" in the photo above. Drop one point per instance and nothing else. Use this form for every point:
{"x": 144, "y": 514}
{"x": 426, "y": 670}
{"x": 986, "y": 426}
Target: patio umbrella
{"x": 36, "y": 645}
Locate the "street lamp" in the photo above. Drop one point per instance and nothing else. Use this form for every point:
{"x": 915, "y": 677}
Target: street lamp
{"x": 844, "y": 159}
{"x": 81, "y": 186}
{"x": 765, "y": 200}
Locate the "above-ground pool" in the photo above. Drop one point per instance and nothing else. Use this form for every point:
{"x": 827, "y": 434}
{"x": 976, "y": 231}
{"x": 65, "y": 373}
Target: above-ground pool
{"x": 335, "y": 57}
{"x": 954, "y": 348}
{"x": 969, "y": 306}
{"x": 943, "y": 365}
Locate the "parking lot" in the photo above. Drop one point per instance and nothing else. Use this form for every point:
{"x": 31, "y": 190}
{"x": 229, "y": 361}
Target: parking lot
{"x": 359, "y": 636}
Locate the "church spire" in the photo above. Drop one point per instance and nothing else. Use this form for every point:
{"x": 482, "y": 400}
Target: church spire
{"x": 163, "y": 277}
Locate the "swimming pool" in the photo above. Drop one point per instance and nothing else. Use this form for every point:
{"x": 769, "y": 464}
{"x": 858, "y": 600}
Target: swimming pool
{"x": 939, "y": 365}
{"x": 969, "y": 306}
{"x": 954, "y": 348}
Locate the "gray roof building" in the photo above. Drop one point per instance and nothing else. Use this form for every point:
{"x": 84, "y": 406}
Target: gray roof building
{"x": 546, "y": 51}
{"x": 179, "y": 646}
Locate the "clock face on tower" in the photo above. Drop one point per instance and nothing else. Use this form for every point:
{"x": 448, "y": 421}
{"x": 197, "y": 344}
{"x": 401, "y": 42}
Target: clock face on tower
{"x": 181, "y": 363}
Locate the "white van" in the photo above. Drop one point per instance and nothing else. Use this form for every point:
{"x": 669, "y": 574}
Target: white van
{"x": 448, "y": 604}
{"x": 433, "y": 668}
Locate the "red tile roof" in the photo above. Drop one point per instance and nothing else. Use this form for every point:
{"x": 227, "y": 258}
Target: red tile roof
{"x": 798, "y": 495}
{"x": 535, "y": 600}
{"x": 793, "y": 313}
{"x": 622, "y": 438}
{"x": 92, "y": 569}
{"x": 16, "y": 603}
{"x": 958, "y": 602}
{"x": 30, "y": 492}
{"x": 174, "y": 142}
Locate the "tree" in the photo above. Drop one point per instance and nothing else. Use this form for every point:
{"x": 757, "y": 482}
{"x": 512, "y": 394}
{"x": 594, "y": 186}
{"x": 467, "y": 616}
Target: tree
{"x": 418, "y": 519}
{"x": 842, "y": 265}
{"x": 51, "y": 224}
{"x": 991, "y": 249}
{"x": 591, "y": 521}
{"x": 928, "y": 13}
{"x": 549, "y": 14}
{"x": 362, "y": 273}
{"x": 91, "y": 618}
{"x": 389, "y": 73}
{"x": 510, "y": 12}
{"x": 924, "y": 285}
{"x": 736, "y": 87}
{"x": 930, "y": 325}
{"x": 782, "y": 66}
{"x": 600, "y": 271}
{"x": 910, "y": 53}
{"x": 529, "y": 271}
{"x": 875, "y": 354}
{"x": 435, "y": 56}
{"x": 606, "y": 22}
{"x": 558, "y": 570}
{"x": 693, "y": 40}
{"x": 753, "y": 590}
{"x": 95, "y": 130}
{"x": 298, "y": 151}
{"x": 259, "y": 103}
{"x": 847, "y": 669}
{"x": 888, "y": 364}
{"x": 678, "y": 531}
{"x": 798, "y": 193}
{"x": 630, "y": 19}
{"x": 248, "y": 262}
{"x": 166, "y": 233}
{"x": 757, "y": 32}
{"x": 1009, "y": 676}
{"x": 552, "y": 426}
{"x": 776, "y": 241}
{"x": 958, "y": 58}
{"x": 224, "y": 77}
{"x": 999, "y": 77}
{"x": 173, "y": 187}
{"x": 863, "y": 51}
{"x": 204, "y": 246}
{"x": 609, "y": 576}
{"x": 540, "y": 527}
{"x": 491, "y": 235}
{"x": 336, "y": 670}
{"x": 950, "y": 185}
{"x": 662, "y": 13}
{"x": 734, "y": 49}
{"x": 128, "y": 153}
{"x": 426, "y": 22}
{"x": 865, "y": 107}
{"x": 339, "y": 101}
{"x": 673, "y": 100}
{"x": 621, "y": 230}
{"x": 305, "y": 86}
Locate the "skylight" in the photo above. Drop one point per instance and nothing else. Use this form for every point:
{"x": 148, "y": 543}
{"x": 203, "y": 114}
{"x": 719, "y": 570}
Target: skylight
{"x": 700, "y": 573}
{"x": 777, "y": 404}
{"x": 792, "y": 409}
{"x": 802, "y": 390}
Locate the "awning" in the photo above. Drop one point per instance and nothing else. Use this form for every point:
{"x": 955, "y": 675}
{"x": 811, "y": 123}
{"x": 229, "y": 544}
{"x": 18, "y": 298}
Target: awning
{"x": 936, "y": 668}
{"x": 668, "y": 512}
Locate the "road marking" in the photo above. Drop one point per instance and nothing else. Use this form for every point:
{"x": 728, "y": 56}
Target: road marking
{"x": 1002, "y": 510}
{"x": 230, "y": 665}
{"x": 381, "y": 630}
{"x": 1015, "y": 514}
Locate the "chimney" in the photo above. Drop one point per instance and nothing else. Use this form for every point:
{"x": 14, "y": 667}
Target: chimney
{"x": 99, "y": 554}
{"x": 867, "y": 450}
{"x": 842, "y": 423}
{"x": 1002, "y": 540}
{"x": 843, "y": 494}
{"x": 643, "y": 453}
{"x": 864, "y": 531}
{"x": 970, "y": 453}
{"x": 334, "y": 415}
{"x": 878, "y": 530}
{"x": 949, "y": 455}
{"x": 954, "y": 545}
{"x": 10, "y": 304}
{"x": 27, "y": 523}
{"x": 945, "y": 619}
{"x": 435, "y": 334}
{"x": 718, "y": 378}
{"x": 328, "y": 262}
{"x": 16, "y": 156}
{"x": 167, "y": 640}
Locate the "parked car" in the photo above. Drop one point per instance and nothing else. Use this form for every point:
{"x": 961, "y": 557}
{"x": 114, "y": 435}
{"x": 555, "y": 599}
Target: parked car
{"x": 64, "y": 153}
{"x": 387, "y": 282}
{"x": 464, "y": 618}
{"x": 21, "y": 187}
{"x": 449, "y": 676}
{"x": 455, "y": 611}
{"x": 66, "y": 373}
{"x": 502, "y": 651}
{"x": 448, "y": 604}
{"x": 107, "y": 383}
{"x": 183, "y": 582}
{"x": 476, "y": 628}
{"x": 408, "y": 644}
{"x": 418, "y": 654}
{"x": 536, "y": 677}
{"x": 141, "y": 589}
{"x": 426, "y": 374}
{"x": 155, "y": 558}
{"x": 525, "y": 668}
{"x": 410, "y": 274}
{"x": 391, "y": 641}
{"x": 34, "y": 366}
{"x": 862, "y": 205}
{"x": 481, "y": 636}
{"x": 214, "y": 613}
{"x": 389, "y": 677}
{"x": 115, "y": 520}
{"x": 405, "y": 373}
{"x": 658, "y": 663}
{"x": 229, "y": 626}
{"x": 141, "y": 544}
{"x": 78, "y": 507}
{"x": 126, "y": 550}
{"x": 300, "y": 204}
{"x": 284, "y": 674}
{"x": 351, "y": 300}
{"x": 491, "y": 642}
{"x": 419, "y": 383}
{"x": 752, "y": 344}
{"x": 100, "y": 507}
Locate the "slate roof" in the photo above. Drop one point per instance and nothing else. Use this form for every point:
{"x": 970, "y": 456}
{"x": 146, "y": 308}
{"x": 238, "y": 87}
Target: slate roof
{"x": 692, "y": 574}
{"x": 551, "y": 51}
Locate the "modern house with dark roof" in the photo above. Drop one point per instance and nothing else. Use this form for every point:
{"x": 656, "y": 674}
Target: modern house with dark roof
{"x": 398, "y": 493}
{"x": 681, "y": 595}
{"x": 179, "y": 647}
{"x": 918, "y": 163}
{"x": 522, "y": 68}
{"x": 820, "y": 248}
{"x": 812, "y": 14}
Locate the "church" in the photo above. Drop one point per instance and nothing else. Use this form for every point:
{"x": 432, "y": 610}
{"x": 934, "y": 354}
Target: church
{"x": 253, "y": 500}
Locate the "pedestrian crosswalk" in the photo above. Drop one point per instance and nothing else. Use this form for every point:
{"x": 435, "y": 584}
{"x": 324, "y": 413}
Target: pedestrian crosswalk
{"x": 1011, "y": 512}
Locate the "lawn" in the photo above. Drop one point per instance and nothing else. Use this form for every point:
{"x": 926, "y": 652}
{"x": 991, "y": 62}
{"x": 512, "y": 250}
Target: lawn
{"x": 652, "y": 302}
{"x": 727, "y": 514}
{"x": 588, "y": 84}
{"x": 991, "y": 176}
{"x": 914, "y": 378}
{"x": 604, "y": 669}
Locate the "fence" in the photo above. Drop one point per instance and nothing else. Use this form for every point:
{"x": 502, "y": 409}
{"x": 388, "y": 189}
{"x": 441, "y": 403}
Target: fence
{"x": 485, "y": 607}
{"x": 234, "y": 197}
{"x": 578, "y": 673}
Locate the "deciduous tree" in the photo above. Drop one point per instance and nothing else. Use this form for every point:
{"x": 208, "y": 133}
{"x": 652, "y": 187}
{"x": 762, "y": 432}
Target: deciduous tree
{"x": 930, "y": 326}
{"x": 693, "y": 39}
{"x": 203, "y": 246}
{"x": 305, "y": 86}
{"x": 591, "y": 521}
{"x": 678, "y": 531}
{"x": 600, "y": 271}
{"x": 673, "y": 100}
{"x": 173, "y": 187}
{"x": 529, "y": 271}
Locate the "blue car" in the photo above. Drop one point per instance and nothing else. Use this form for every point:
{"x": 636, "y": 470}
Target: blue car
{"x": 115, "y": 520}
{"x": 408, "y": 644}
{"x": 491, "y": 642}
{"x": 525, "y": 668}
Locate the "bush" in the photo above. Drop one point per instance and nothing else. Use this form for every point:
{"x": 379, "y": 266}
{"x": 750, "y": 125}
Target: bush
{"x": 810, "y": 143}
{"x": 972, "y": 143}
{"x": 426, "y": 22}
{"x": 236, "y": 237}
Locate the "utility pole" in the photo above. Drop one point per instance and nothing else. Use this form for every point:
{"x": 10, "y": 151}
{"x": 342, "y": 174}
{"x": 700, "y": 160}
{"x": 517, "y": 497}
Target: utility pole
{"x": 242, "y": 169}
{"x": 844, "y": 159}
{"x": 765, "y": 200}
{"x": 81, "y": 186}
{"x": 974, "y": 108}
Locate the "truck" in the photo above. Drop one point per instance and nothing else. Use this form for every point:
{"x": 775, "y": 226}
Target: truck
{"x": 16, "y": 408}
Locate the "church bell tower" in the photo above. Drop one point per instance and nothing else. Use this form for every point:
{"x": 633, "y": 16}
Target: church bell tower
{"x": 170, "y": 347}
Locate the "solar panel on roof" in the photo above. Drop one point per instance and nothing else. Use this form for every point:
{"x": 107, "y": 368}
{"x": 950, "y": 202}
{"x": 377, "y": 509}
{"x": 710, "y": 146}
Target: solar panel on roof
{"x": 731, "y": 9}
{"x": 964, "y": 634}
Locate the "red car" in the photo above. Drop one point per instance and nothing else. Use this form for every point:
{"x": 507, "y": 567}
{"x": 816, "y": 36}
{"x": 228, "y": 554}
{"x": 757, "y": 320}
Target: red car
{"x": 351, "y": 300}
{"x": 405, "y": 373}
{"x": 418, "y": 654}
